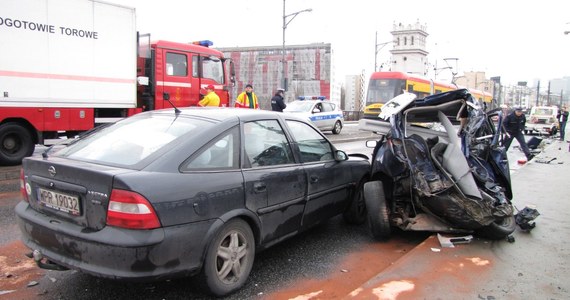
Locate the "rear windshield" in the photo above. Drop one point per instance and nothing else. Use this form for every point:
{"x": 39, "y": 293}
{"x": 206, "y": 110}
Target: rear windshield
{"x": 299, "y": 106}
{"x": 130, "y": 141}
{"x": 542, "y": 111}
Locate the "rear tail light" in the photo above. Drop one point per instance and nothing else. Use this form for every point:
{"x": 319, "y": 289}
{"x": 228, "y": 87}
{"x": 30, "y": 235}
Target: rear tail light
{"x": 23, "y": 190}
{"x": 131, "y": 210}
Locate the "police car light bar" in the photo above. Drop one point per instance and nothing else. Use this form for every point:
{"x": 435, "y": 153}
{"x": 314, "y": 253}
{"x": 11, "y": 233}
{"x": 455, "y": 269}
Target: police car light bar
{"x": 312, "y": 98}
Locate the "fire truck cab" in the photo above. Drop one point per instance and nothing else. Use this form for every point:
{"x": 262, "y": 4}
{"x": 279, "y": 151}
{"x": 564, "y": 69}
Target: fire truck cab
{"x": 177, "y": 73}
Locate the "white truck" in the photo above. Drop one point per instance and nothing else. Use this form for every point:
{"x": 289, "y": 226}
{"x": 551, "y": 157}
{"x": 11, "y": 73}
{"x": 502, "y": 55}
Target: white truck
{"x": 542, "y": 120}
{"x": 67, "y": 53}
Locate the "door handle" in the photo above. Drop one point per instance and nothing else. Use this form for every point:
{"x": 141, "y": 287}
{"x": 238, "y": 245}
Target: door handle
{"x": 259, "y": 187}
{"x": 314, "y": 178}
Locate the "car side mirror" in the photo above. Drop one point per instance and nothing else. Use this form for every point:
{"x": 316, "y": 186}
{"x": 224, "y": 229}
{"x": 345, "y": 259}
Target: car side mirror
{"x": 340, "y": 155}
{"x": 316, "y": 110}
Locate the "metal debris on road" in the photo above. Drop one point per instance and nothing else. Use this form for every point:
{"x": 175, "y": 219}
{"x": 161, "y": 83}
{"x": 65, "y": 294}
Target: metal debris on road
{"x": 525, "y": 217}
{"x": 449, "y": 242}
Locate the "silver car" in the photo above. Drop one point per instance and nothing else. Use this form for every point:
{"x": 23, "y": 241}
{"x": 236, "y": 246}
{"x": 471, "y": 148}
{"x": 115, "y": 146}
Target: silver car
{"x": 324, "y": 114}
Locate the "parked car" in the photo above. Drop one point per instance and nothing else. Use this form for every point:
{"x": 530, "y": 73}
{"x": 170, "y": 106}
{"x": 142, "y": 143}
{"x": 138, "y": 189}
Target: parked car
{"x": 323, "y": 113}
{"x": 542, "y": 120}
{"x": 439, "y": 178}
{"x": 165, "y": 194}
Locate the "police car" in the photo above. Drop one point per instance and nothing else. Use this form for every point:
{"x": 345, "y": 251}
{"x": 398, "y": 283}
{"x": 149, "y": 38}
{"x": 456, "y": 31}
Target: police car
{"x": 323, "y": 113}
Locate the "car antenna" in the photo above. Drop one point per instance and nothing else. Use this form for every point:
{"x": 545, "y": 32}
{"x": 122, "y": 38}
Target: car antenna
{"x": 176, "y": 110}
{"x": 167, "y": 98}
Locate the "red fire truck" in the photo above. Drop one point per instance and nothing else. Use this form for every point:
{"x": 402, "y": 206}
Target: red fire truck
{"x": 67, "y": 66}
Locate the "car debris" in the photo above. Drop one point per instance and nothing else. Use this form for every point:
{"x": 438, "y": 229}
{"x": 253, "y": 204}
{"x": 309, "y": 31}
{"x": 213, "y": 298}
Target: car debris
{"x": 450, "y": 242}
{"x": 545, "y": 160}
{"x": 525, "y": 217}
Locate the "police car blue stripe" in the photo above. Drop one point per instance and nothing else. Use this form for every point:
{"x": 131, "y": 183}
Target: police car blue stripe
{"x": 325, "y": 117}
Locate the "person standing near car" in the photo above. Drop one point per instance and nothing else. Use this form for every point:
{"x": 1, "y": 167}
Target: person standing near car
{"x": 247, "y": 98}
{"x": 562, "y": 119}
{"x": 514, "y": 124}
{"x": 277, "y": 103}
{"x": 211, "y": 98}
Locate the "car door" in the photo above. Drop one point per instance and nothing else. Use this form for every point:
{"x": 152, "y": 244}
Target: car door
{"x": 329, "y": 115}
{"x": 174, "y": 78}
{"x": 329, "y": 181}
{"x": 318, "y": 116}
{"x": 275, "y": 185}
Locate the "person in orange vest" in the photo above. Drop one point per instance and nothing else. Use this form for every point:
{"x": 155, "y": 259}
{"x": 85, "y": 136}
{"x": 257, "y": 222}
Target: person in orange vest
{"x": 211, "y": 98}
{"x": 247, "y": 98}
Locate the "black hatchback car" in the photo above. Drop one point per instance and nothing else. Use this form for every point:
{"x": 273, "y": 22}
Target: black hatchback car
{"x": 164, "y": 194}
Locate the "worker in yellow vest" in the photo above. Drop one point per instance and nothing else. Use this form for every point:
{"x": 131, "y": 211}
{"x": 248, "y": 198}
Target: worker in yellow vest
{"x": 247, "y": 98}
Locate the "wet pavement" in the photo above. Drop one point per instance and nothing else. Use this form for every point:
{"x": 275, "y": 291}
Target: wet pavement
{"x": 535, "y": 266}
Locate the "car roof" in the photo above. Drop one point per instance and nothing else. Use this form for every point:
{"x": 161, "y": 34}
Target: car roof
{"x": 313, "y": 101}
{"x": 220, "y": 114}
{"x": 426, "y": 109}
{"x": 449, "y": 103}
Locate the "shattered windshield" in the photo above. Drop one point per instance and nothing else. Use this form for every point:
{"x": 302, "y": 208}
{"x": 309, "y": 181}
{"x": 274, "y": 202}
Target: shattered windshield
{"x": 299, "y": 106}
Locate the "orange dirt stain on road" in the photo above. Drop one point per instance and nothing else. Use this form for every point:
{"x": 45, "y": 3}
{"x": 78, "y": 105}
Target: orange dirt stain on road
{"x": 350, "y": 273}
{"x": 17, "y": 271}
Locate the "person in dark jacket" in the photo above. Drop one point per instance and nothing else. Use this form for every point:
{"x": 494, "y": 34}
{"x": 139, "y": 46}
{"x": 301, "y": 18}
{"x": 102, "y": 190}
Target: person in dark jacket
{"x": 514, "y": 124}
{"x": 562, "y": 119}
{"x": 277, "y": 103}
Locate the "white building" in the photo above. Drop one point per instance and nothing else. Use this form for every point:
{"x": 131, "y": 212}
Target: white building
{"x": 409, "y": 54}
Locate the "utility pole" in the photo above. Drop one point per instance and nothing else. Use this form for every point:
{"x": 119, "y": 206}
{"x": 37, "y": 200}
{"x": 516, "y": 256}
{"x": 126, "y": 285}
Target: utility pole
{"x": 376, "y": 50}
{"x": 286, "y": 21}
{"x": 537, "y": 93}
{"x": 548, "y": 94}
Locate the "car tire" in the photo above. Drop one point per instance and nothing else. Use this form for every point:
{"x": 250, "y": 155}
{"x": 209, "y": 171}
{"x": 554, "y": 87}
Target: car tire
{"x": 15, "y": 144}
{"x": 229, "y": 258}
{"x": 377, "y": 208}
{"x": 337, "y": 128}
{"x": 498, "y": 230}
{"x": 356, "y": 212}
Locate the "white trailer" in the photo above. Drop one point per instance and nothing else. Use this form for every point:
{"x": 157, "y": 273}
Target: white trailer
{"x": 67, "y": 53}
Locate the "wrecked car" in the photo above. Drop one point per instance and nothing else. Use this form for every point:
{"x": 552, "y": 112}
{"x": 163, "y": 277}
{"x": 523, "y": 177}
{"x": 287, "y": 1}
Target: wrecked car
{"x": 428, "y": 176}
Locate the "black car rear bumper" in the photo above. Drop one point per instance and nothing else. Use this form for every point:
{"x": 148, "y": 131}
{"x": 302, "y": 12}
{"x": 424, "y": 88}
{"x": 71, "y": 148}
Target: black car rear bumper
{"x": 112, "y": 252}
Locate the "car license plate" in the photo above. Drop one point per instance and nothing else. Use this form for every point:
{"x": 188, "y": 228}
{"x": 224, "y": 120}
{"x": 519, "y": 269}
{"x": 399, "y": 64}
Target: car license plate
{"x": 59, "y": 201}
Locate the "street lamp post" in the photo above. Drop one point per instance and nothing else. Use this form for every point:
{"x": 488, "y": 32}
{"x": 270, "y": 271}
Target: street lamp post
{"x": 285, "y": 23}
{"x": 376, "y": 50}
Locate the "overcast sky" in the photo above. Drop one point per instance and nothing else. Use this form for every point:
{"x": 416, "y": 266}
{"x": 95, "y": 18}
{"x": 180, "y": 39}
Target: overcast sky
{"x": 517, "y": 40}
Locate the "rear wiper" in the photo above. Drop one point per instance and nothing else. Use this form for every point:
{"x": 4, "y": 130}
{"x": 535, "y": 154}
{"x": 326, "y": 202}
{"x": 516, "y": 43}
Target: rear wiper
{"x": 82, "y": 135}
